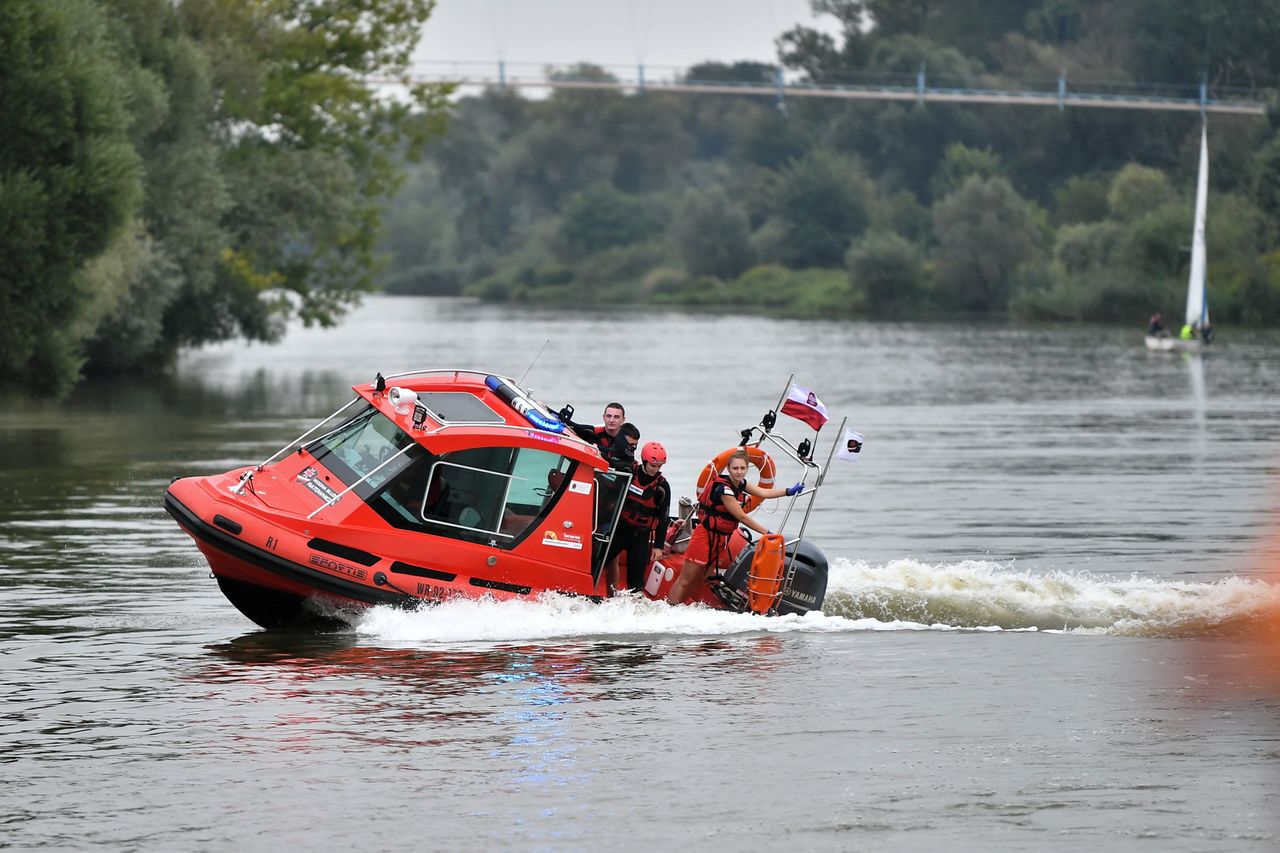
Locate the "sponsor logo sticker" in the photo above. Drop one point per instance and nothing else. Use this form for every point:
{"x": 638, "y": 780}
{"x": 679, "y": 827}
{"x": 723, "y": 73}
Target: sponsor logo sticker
{"x": 310, "y": 478}
{"x": 571, "y": 541}
{"x": 356, "y": 572}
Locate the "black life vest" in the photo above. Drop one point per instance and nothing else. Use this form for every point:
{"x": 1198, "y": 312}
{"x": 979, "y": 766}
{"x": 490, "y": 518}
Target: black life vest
{"x": 715, "y": 517}
{"x": 641, "y": 508}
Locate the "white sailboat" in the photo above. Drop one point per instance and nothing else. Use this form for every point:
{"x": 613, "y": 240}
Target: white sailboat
{"x": 1197, "y": 313}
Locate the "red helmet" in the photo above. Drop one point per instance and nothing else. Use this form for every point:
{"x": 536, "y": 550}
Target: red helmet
{"x": 653, "y": 453}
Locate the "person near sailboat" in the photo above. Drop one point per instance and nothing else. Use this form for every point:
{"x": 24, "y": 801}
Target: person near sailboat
{"x": 1196, "y": 329}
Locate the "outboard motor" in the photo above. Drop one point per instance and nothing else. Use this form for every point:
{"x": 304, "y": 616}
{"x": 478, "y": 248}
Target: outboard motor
{"x": 806, "y": 590}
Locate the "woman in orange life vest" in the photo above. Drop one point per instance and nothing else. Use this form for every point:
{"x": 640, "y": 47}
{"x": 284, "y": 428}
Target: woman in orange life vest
{"x": 642, "y": 526}
{"x": 721, "y": 508}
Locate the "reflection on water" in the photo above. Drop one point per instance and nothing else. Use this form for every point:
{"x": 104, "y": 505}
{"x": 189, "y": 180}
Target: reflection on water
{"x": 276, "y": 658}
{"x": 281, "y": 657}
{"x": 1199, "y": 402}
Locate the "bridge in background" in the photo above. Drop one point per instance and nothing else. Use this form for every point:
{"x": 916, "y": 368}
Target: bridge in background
{"x": 878, "y": 87}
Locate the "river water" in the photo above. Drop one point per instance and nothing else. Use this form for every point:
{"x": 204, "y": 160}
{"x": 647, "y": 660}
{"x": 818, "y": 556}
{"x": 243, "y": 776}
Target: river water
{"x": 1042, "y": 632}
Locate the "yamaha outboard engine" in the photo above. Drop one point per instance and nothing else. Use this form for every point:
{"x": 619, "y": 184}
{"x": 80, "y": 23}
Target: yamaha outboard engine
{"x": 804, "y": 585}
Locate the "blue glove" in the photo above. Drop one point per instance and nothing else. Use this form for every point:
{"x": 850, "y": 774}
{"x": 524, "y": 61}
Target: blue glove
{"x": 795, "y": 490}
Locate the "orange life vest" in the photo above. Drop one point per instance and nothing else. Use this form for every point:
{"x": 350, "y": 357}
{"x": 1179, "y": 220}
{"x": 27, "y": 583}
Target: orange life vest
{"x": 641, "y": 508}
{"x": 715, "y": 517}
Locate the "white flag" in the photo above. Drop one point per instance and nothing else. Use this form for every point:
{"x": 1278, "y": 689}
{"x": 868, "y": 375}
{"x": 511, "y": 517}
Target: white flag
{"x": 850, "y": 444}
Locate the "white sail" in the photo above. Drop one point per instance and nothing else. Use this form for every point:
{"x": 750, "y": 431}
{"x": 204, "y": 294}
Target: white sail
{"x": 1197, "y": 304}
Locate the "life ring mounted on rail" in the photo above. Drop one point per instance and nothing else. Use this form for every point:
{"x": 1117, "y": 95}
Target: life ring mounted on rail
{"x": 757, "y": 457}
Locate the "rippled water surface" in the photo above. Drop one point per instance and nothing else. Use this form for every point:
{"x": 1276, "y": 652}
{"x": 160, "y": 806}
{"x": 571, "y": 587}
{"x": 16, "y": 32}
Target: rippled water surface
{"x": 1048, "y": 625}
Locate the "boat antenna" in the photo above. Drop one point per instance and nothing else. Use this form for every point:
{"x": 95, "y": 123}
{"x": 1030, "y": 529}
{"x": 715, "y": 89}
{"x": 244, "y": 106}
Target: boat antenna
{"x": 520, "y": 381}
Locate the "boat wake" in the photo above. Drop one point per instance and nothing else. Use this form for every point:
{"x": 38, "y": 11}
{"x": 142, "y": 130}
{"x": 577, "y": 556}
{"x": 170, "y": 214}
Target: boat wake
{"x": 984, "y": 595}
{"x": 903, "y": 595}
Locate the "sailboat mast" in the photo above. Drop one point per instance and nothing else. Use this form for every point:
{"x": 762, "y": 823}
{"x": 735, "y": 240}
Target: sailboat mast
{"x": 1197, "y": 305}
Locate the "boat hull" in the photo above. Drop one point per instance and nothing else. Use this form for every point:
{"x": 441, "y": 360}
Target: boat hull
{"x": 288, "y": 585}
{"x": 1172, "y": 344}
{"x": 273, "y": 590}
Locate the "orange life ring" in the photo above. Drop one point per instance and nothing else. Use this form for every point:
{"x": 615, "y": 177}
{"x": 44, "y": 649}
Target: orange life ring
{"x": 757, "y": 457}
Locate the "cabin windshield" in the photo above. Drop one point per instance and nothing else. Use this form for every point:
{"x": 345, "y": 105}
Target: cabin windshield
{"x": 365, "y": 447}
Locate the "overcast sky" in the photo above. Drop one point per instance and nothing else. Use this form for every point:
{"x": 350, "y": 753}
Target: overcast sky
{"x": 611, "y": 32}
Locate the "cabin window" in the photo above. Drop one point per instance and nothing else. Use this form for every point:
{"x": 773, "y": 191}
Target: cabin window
{"x": 487, "y": 494}
{"x": 500, "y": 492}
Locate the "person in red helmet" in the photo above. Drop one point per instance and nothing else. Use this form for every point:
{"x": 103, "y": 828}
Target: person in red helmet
{"x": 642, "y": 526}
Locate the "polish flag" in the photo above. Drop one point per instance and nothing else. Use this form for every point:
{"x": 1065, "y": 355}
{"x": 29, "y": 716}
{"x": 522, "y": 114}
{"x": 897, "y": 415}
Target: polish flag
{"x": 804, "y": 405}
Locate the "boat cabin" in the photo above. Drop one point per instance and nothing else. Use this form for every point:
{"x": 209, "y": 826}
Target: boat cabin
{"x": 466, "y": 458}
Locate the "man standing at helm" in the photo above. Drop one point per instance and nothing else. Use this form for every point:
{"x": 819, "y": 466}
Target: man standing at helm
{"x": 642, "y": 526}
{"x": 720, "y": 508}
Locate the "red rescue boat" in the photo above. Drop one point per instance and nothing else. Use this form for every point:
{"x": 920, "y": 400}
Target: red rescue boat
{"x": 430, "y": 486}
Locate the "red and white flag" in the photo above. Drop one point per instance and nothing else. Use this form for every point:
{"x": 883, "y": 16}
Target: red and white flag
{"x": 804, "y": 405}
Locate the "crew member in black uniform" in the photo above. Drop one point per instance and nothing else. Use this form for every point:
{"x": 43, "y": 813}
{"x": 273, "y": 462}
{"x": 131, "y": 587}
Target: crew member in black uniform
{"x": 642, "y": 527}
{"x": 601, "y": 436}
{"x": 621, "y": 454}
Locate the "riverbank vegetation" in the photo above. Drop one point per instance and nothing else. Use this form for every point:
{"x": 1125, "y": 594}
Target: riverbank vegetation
{"x": 824, "y": 207}
{"x": 176, "y": 173}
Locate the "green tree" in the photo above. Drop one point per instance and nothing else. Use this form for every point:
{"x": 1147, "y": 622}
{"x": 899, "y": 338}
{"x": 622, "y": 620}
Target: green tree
{"x": 1136, "y": 191}
{"x": 985, "y": 232}
{"x": 307, "y": 155}
{"x": 176, "y": 246}
{"x": 889, "y": 270}
{"x": 648, "y": 143}
{"x": 1155, "y": 245}
{"x": 1083, "y": 198}
{"x": 771, "y": 140}
{"x": 822, "y": 203}
{"x": 603, "y": 218}
{"x": 1266, "y": 178}
{"x": 958, "y": 163}
{"x": 1088, "y": 246}
{"x": 69, "y": 181}
{"x": 817, "y": 54}
{"x": 747, "y": 73}
{"x": 713, "y": 237}
{"x": 1233, "y": 44}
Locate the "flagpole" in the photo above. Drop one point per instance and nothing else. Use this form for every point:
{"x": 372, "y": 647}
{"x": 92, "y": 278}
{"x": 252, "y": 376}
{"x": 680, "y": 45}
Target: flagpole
{"x": 839, "y": 434}
{"x": 822, "y": 475}
{"x": 785, "y": 390}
